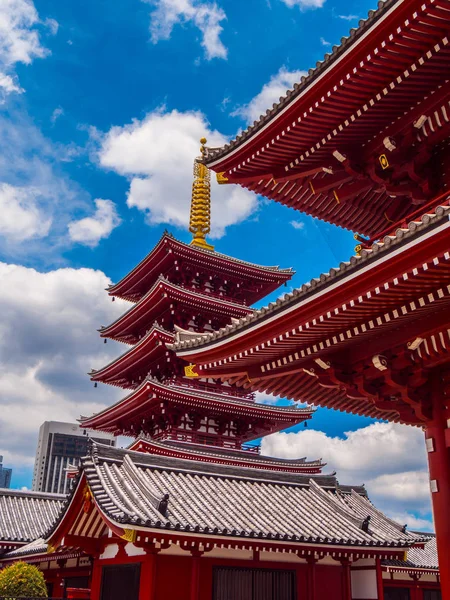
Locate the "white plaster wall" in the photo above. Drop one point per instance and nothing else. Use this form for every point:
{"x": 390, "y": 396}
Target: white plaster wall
{"x": 284, "y": 557}
{"x": 110, "y": 551}
{"x": 230, "y": 553}
{"x": 401, "y": 576}
{"x": 133, "y": 550}
{"x": 364, "y": 585}
{"x": 71, "y": 562}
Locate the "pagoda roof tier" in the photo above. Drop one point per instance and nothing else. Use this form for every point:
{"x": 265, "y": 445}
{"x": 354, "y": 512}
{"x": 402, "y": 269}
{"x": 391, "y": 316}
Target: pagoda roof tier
{"x": 151, "y": 394}
{"x": 138, "y": 359}
{"x": 25, "y": 515}
{"x": 336, "y": 341}
{"x": 162, "y": 496}
{"x": 350, "y": 144}
{"x": 158, "y": 300}
{"x": 170, "y": 252}
{"x": 240, "y": 458}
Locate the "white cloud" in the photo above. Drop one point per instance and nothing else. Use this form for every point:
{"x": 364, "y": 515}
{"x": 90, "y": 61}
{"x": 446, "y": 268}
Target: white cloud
{"x": 324, "y": 42}
{"x": 19, "y": 38}
{"x": 8, "y": 85}
{"x": 37, "y": 198}
{"x": 206, "y": 16}
{"x": 304, "y": 4}
{"x": 389, "y": 459}
{"x": 91, "y": 230}
{"x": 297, "y": 225}
{"x": 58, "y": 112}
{"x": 21, "y": 217}
{"x": 348, "y": 17}
{"x": 48, "y": 342}
{"x": 270, "y": 94}
{"x": 157, "y": 155}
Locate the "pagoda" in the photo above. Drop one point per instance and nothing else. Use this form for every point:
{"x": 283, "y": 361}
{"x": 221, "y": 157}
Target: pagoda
{"x": 180, "y": 291}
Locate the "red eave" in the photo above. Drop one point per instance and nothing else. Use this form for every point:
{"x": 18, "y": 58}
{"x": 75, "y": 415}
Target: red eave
{"x": 386, "y": 70}
{"x": 206, "y": 454}
{"x": 157, "y": 300}
{"x": 146, "y": 351}
{"x": 168, "y": 250}
{"x": 381, "y": 284}
{"x": 151, "y": 392}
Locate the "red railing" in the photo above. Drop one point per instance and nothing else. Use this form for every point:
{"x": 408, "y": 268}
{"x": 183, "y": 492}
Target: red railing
{"x": 205, "y": 440}
{"x": 213, "y": 388}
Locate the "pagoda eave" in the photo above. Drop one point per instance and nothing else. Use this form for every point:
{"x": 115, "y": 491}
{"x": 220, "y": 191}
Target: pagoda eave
{"x": 158, "y": 301}
{"x": 169, "y": 251}
{"x": 231, "y": 457}
{"x": 150, "y": 348}
{"x": 302, "y": 152}
{"x": 150, "y": 394}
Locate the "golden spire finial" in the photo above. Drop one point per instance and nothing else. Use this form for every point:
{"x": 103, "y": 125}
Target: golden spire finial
{"x": 200, "y": 219}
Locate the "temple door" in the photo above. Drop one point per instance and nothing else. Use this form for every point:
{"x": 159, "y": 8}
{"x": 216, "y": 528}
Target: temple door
{"x": 120, "y": 582}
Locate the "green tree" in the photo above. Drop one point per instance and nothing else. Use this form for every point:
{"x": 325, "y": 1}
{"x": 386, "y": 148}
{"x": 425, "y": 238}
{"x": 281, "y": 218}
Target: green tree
{"x": 22, "y": 579}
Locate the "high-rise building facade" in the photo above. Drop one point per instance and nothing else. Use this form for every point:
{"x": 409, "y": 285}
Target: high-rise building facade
{"x": 61, "y": 445}
{"x": 5, "y": 475}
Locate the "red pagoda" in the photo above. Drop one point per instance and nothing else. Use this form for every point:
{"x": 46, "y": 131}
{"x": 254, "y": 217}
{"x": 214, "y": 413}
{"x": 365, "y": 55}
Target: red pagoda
{"x": 180, "y": 289}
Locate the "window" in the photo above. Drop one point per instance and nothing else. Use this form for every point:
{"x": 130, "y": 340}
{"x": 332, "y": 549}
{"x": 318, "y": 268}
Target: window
{"x": 253, "y": 584}
{"x": 396, "y": 593}
{"x": 120, "y": 582}
{"x": 432, "y": 595}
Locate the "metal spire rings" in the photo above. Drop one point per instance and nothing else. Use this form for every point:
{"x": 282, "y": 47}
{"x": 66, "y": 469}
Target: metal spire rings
{"x": 200, "y": 218}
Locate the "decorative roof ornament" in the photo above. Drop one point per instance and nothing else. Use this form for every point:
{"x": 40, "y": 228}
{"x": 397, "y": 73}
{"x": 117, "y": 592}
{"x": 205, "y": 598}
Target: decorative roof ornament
{"x": 200, "y": 218}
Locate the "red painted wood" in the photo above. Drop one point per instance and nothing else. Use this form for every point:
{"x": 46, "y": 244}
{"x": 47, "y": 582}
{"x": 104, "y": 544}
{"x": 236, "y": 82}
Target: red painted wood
{"x": 148, "y": 573}
{"x": 346, "y": 580}
{"x": 85, "y": 594}
{"x": 311, "y": 579}
{"x": 96, "y": 580}
{"x": 195, "y": 578}
{"x": 439, "y": 465}
{"x": 379, "y": 579}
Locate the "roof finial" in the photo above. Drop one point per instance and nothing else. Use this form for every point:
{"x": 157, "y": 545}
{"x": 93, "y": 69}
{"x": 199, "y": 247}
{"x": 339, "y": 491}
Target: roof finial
{"x": 200, "y": 219}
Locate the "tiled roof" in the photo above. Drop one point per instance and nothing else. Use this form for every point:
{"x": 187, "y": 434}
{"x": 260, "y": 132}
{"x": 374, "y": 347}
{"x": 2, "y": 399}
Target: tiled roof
{"x": 299, "y": 88}
{"x": 172, "y": 494}
{"x": 388, "y": 243}
{"x": 24, "y": 516}
{"x": 220, "y": 453}
{"x": 202, "y": 252}
{"x": 421, "y": 558}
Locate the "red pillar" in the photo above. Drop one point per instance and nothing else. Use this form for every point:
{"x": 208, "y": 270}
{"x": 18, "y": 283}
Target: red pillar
{"x": 96, "y": 580}
{"x": 195, "y": 577}
{"x": 147, "y": 580}
{"x": 311, "y": 578}
{"x": 346, "y": 580}
{"x": 380, "y": 588}
{"x": 439, "y": 465}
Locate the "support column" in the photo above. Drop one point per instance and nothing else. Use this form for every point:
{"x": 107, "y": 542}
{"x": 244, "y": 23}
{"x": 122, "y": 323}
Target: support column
{"x": 147, "y": 580}
{"x": 311, "y": 578}
{"x": 346, "y": 580}
{"x": 96, "y": 579}
{"x": 439, "y": 466}
{"x": 195, "y": 576}
{"x": 380, "y": 588}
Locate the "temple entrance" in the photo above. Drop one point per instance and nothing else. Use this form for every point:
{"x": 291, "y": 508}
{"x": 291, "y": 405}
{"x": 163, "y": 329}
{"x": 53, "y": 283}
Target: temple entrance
{"x": 120, "y": 581}
{"x": 253, "y": 584}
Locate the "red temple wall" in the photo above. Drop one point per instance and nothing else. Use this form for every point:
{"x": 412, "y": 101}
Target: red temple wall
{"x": 328, "y": 582}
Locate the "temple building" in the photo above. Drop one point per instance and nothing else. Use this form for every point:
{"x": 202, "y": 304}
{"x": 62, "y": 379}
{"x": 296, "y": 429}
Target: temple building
{"x": 189, "y": 289}
{"x": 192, "y": 511}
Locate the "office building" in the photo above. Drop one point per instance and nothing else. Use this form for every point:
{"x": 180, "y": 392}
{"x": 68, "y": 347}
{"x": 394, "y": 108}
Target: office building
{"x": 61, "y": 445}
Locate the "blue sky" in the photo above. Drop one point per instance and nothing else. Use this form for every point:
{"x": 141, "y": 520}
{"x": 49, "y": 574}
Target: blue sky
{"x": 102, "y": 106}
